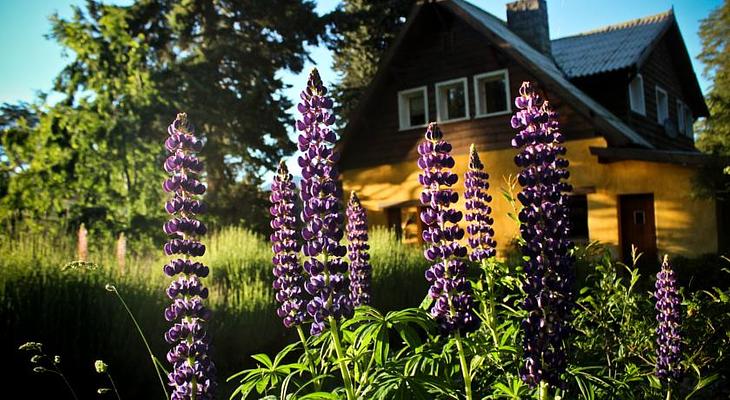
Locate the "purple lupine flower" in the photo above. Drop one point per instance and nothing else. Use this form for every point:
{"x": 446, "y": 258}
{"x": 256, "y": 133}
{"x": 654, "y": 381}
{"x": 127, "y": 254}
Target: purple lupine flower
{"x": 321, "y": 195}
{"x": 453, "y": 307}
{"x": 357, "y": 251}
{"x": 668, "y": 306}
{"x": 193, "y": 373}
{"x": 544, "y": 230}
{"x": 481, "y": 233}
{"x": 289, "y": 282}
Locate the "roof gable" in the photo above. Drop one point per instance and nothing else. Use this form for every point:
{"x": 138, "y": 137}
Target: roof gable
{"x": 610, "y": 48}
{"x": 544, "y": 68}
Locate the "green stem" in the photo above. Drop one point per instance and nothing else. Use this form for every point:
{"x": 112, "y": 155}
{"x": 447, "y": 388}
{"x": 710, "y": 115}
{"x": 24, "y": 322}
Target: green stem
{"x": 68, "y": 384}
{"x": 669, "y": 393}
{"x": 341, "y": 359}
{"x": 544, "y": 391}
{"x": 112, "y": 288}
{"x": 114, "y": 387}
{"x": 491, "y": 308}
{"x": 465, "y": 370}
{"x": 317, "y": 383}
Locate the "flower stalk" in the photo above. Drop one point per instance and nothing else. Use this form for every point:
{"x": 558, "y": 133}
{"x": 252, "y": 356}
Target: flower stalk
{"x": 193, "y": 373}
{"x": 480, "y": 231}
{"x": 544, "y": 229}
{"x": 357, "y": 237}
{"x": 669, "y": 339}
{"x": 453, "y": 307}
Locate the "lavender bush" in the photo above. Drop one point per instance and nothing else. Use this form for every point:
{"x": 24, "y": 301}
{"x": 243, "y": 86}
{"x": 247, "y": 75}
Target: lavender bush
{"x": 544, "y": 230}
{"x": 193, "y": 373}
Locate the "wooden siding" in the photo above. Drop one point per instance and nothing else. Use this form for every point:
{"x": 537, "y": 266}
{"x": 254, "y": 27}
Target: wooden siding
{"x": 612, "y": 91}
{"x": 438, "y": 48}
{"x": 659, "y": 69}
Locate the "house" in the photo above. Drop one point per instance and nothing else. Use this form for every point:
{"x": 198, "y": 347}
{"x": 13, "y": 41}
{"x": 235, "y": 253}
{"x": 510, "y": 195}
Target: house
{"x": 626, "y": 94}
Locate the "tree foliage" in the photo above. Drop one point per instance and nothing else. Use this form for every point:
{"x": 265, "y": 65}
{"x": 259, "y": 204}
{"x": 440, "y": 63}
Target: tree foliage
{"x": 360, "y": 32}
{"x": 715, "y": 34}
{"x": 714, "y": 131}
{"x": 96, "y": 155}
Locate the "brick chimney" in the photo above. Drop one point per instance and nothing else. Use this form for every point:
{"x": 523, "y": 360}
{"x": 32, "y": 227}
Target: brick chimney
{"x": 529, "y": 20}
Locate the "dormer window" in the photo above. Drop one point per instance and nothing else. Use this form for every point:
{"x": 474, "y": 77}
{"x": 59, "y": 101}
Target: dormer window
{"x": 491, "y": 93}
{"x": 662, "y": 105}
{"x": 452, "y": 102}
{"x": 636, "y": 95}
{"x": 413, "y": 108}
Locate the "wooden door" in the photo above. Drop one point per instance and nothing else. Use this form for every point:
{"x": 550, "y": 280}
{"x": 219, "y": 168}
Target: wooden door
{"x": 637, "y": 228}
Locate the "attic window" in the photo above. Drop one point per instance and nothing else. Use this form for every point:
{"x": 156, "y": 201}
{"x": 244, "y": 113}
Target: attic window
{"x": 413, "y": 108}
{"x": 662, "y": 105}
{"x": 636, "y": 95}
{"x": 491, "y": 93}
{"x": 684, "y": 119}
{"x": 452, "y": 103}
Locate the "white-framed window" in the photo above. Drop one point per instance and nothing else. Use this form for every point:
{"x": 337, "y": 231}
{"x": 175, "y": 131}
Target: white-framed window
{"x": 413, "y": 108}
{"x": 662, "y": 105}
{"x": 636, "y": 95}
{"x": 685, "y": 121}
{"x": 452, "y": 100}
{"x": 491, "y": 93}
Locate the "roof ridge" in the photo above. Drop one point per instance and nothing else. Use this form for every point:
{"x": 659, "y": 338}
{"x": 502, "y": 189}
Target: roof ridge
{"x": 650, "y": 19}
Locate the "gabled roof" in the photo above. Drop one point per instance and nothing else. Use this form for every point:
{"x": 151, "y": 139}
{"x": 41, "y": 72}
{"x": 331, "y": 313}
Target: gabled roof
{"x": 610, "y": 48}
{"x": 548, "y": 72}
{"x": 544, "y": 68}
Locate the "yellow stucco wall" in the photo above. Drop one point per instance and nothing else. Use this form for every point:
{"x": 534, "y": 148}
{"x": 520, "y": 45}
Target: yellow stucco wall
{"x": 684, "y": 225}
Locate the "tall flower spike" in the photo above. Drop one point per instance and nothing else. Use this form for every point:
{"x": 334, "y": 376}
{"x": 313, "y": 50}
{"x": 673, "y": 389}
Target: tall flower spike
{"x": 321, "y": 214}
{"x": 193, "y": 372}
{"x": 453, "y": 307}
{"x": 289, "y": 282}
{"x": 668, "y": 307}
{"x": 481, "y": 233}
{"x": 357, "y": 251}
{"x": 544, "y": 229}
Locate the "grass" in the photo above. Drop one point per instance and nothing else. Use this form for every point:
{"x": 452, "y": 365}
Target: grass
{"x": 69, "y": 310}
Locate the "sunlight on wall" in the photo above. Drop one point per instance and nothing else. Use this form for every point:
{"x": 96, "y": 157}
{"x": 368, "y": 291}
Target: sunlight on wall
{"x": 684, "y": 225}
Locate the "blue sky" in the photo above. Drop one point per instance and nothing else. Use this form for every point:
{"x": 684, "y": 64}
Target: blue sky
{"x": 30, "y": 62}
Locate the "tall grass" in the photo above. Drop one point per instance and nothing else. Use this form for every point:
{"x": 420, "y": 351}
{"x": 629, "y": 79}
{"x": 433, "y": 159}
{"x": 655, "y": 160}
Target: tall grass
{"x": 69, "y": 310}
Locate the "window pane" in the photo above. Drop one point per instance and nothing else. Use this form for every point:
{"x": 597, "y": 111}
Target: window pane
{"x": 689, "y": 129}
{"x": 416, "y": 110}
{"x": 495, "y": 95}
{"x": 636, "y": 95}
{"x": 455, "y": 105}
{"x": 578, "y": 205}
{"x": 662, "y": 106}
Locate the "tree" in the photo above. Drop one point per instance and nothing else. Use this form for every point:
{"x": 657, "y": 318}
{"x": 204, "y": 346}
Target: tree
{"x": 360, "y": 32}
{"x": 715, "y": 131}
{"x": 97, "y": 154}
{"x": 715, "y": 34}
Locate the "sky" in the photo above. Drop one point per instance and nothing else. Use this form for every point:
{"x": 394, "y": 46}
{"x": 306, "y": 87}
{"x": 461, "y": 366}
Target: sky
{"x": 30, "y": 62}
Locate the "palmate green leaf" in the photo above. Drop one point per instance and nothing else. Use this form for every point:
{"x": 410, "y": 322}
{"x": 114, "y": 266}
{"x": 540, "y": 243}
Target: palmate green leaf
{"x": 515, "y": 390}
{"x": 320, "y": 396}
{"x": 263, "y": 359}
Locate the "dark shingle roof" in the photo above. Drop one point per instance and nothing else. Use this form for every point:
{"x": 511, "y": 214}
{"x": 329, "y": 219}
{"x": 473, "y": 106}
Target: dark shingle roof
{"x": 547, "y": 66}
{"x": 609, "y": 48}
